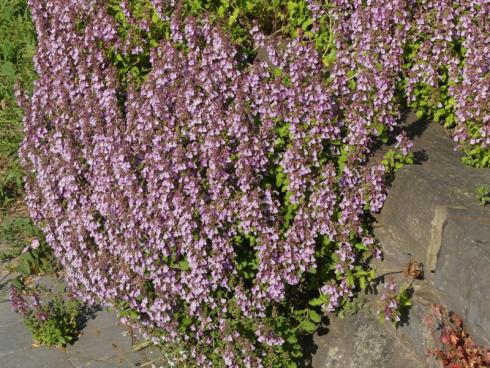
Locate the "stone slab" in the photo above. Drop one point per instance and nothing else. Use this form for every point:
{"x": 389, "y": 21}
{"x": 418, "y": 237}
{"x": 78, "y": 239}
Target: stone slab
{"x": 361, "y": 341}
{"x": 419, "y": 190}
{"x": 432, "y": 215}
{"x": 462, "y": 275}
{"x": 104, "y": 340}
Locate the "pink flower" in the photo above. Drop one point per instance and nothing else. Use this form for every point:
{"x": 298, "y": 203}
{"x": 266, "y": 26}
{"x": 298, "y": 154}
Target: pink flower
{"x": 404, "y": 143}
{"x": 34, "y": 245}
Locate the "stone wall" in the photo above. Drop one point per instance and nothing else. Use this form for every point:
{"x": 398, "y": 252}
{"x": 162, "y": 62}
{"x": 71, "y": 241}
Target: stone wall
{"x": 431, "y": 215}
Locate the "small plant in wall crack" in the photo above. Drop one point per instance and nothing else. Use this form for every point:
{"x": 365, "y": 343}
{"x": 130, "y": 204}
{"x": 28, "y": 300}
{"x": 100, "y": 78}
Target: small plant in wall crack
{"x": 396, "y": 299}
{"x": 454, "y": 347}
{"x": 483, "y": 194}
{"x": 394, "y": 303}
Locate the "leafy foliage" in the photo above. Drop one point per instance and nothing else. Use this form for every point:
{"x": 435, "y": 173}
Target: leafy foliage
{"x": 16, "y": 51}
{"x": 15, "y": 233}
{"x": 447, "y": 72}
{"x": 53, "y": 323}
{"x": 454, "y": 347}
{"x": 482, "y": 194}
{"x": 39, "y": 261}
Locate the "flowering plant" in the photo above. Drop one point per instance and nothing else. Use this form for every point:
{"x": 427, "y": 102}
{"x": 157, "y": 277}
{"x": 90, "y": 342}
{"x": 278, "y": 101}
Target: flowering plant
{"x": 210, "y": 179}
{"x": 55, "y": 323}
{"x": 448, "y": 73}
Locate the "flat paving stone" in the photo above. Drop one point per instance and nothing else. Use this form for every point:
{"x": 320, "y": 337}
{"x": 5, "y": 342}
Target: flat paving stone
{"x": 104, "y": 340}
{"x": 7, "y": 316}
{"x": 36, "y": 358}
{"x": 103, "y": 343}
{"x": 361, "y": 341}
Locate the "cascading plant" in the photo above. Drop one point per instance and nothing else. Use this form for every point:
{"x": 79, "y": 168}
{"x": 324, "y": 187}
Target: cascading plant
{"x": 218, "y": 198}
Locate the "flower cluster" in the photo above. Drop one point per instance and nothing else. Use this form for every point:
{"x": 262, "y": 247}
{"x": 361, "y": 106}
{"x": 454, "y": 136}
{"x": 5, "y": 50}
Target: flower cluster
{"x": 18, "y": 302}
{"x": 391, "y": 304}
{"x": 22, "y": 305}
{"x": 449, "y": 73}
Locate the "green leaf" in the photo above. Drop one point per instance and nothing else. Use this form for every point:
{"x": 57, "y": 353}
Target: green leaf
{"x": 186, "y": 321}
{"x": 292, "y": 339}
{"x": 184, "y": 265}
{"x": 449, "y": 121}
{"x": 221, "y": 11}
{"x": 360, "y": 246}
{"x": 234, "y": 16}
{"x": 316, "y": 302}
{"x": 277, "y": 72}
{"x": 7, "y": 69}
{"x": 362, "y": 282}
{"x": 307, "y": 24}
{"x": 350, "y": 280}
{"x": 24, "y": 268}
{"x": 308, "y": 326}
{"x": 16, "y": 283}
{"x": 314, "y": 316}
{"x": 330, "y": 58}
{"x": 350, "y": 74}
{"x": 296, "y": 354}
{"x": 352, "y": 84}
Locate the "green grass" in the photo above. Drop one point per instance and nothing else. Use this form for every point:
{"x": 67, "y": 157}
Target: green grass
{"x": 17, "y": 47}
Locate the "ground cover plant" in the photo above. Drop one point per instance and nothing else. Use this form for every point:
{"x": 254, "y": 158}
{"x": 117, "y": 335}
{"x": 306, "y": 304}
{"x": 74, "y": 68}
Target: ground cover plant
{"x": 448, "y": 71}
{"x": 203, "y": 166}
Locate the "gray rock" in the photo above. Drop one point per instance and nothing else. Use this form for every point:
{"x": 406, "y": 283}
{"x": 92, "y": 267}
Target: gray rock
{"x": 36, "y": 358}
{"x": 419, "y": 190}
{"x": 361, "y": 341}
{"x": 462, "y": 273}
{"x": 104, "y": 341}
{"x": 432, "y": 214}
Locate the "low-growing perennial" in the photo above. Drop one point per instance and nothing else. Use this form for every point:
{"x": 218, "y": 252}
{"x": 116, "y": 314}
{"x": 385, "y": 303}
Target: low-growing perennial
{"x": 202, "y": 193}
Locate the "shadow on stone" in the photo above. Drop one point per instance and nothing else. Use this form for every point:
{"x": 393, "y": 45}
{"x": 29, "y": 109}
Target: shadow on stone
{"x": 419, "y": 157}
{"x": 309, "y": 349}
{"x": 323, "y": 329}
{"x": 87, "y": 313}
{"x": 412, "y": 126}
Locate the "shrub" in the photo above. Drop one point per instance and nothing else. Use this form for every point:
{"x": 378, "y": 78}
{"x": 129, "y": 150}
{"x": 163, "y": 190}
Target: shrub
{"x": 211, "y": 196}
